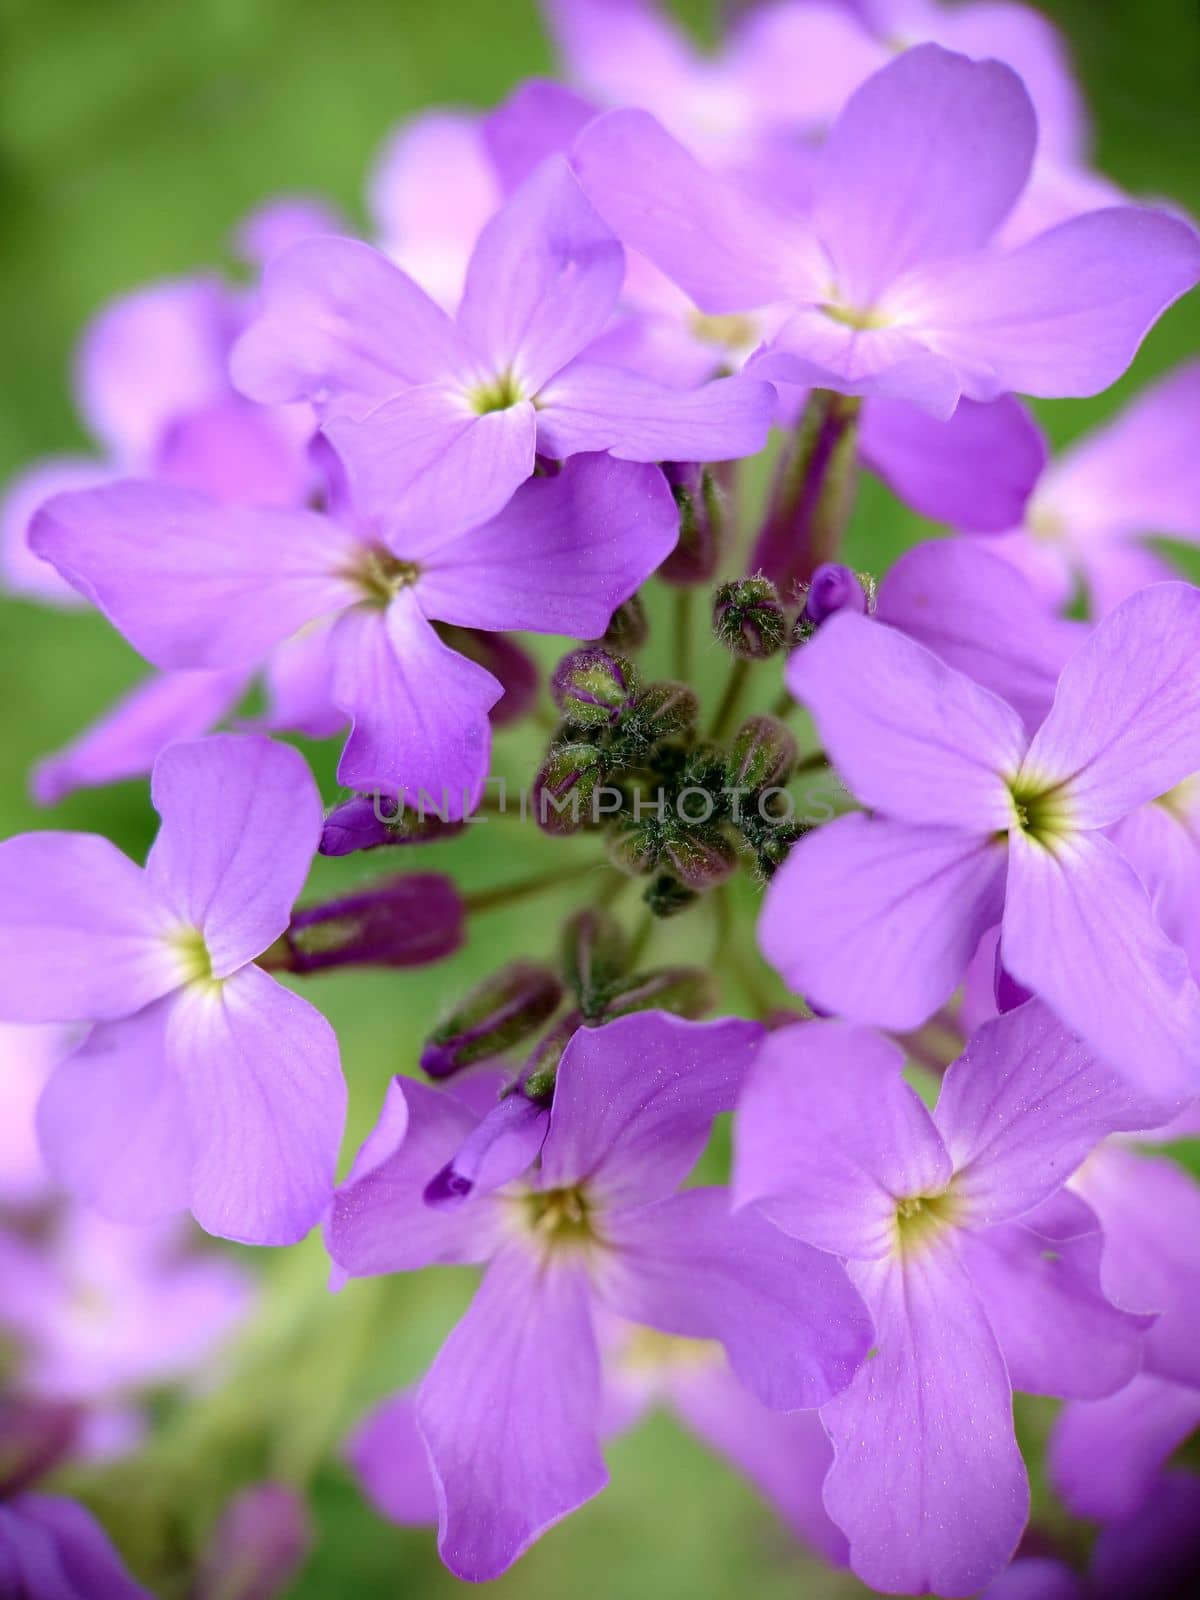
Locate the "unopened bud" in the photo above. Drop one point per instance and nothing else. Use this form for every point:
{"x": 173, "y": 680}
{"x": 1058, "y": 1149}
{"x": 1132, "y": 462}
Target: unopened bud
{"x": 748, "y": 618}
{"x": 595, "y": 952}
{"x": 592, "y": 687}
{"x": 701, "y": 858}
{"x": 497, "y": 1014}
{"x": 666, "y": 710}
{"x": 564, "y": 785}
{"x": 364, "y": 822}
{"x": 408, "y": 921}
{"x": 541, "y": 1070}
{"x": 635, "y": 847}
{"x": 831, "y": 588}
{"x": 684, "y": 991}
{"x": 666, "y": 896}
{"x": 629, "y": 627}
{"x": 763, "y": 754}
{"x": 696, "y": 555}
{"x": 257, "y": 1547}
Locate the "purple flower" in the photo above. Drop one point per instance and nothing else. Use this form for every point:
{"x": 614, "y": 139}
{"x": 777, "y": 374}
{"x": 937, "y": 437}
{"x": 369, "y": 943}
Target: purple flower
{"x": 439, "y": 421}
{"x": 896, "y": 287}
{"x": 980, "y": 1273}
{"x": 973, "y": 823}
{"x": 194, "y": 584}
{"x": 204, "y": 1084}
{"x": 511, "y": 1410}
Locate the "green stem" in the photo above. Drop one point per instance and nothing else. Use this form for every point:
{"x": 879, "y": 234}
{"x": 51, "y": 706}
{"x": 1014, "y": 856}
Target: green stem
{"x": 683, "y": 634}
{"x": 783, "y": 705}
{"x": 734, "y": 688}
{"x": 507, "y": 894}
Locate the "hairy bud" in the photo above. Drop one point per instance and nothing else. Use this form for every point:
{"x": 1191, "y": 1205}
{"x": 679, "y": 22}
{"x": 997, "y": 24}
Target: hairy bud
{"x": 666, "y": 710}
{"x": 629, "y": 627}
{"x": 763, "y": 754}
{"x": 701, "y": 858}
{"x": 684, "y": 991}
{"x": 592, "y": 687}
{"x": 748, "y": 618}
{"x": 696, "y": 555}
{"x": 564, "y": 785}
{"x": 666, "y": 896}
{"x": 595, "y": 953}
{"x": 499, "y": 1013}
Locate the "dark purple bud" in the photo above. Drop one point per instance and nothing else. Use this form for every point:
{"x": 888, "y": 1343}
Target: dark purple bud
{"x": 700, "y": 858}
{"x": 685, "y": 991}
{"x": 595, "y": 952}
{"x": 748, "y": 618}
{"x": 667, "y": 897}
{"x": 833, "y": 588}
{"x": 592, "y": 687}
{"x": 541, "y": 1070}
{"x": 35, "y": 1436}
{"x": 502, "y": 1147}
{"x": 508, "y": 663}
{"x": 762, "y": 754}
{"x": 1009, "y": 993}
{"x": 698, "y": 552}
{"x": 498, "y": 1013}
{"x": 629, "y": 627}
{"x": 257, "y": 1547}
{"x": 408, "y": 921}
{"x": 563, "y": 787}
{"x": 665, "y": 710}
{"x": 365, "y": 822}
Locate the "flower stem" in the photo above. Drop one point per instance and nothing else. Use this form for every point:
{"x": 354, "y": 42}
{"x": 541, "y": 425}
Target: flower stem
{"x": 734, "y": 687}
{"x": 507, "y": 894}
{"x": 683, "y": 634}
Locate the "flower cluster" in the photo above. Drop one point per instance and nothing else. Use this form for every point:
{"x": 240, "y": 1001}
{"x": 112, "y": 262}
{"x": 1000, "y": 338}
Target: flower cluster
{"x": 959, "y": 800}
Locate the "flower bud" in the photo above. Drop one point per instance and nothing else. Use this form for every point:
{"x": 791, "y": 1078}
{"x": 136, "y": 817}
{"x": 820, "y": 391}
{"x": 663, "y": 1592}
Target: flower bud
{"x": 592, "y": 687}
{"x": 665, "y": 710}
{"x": 257, "y": 1547}
{"x": 541, "y": 1070}
{"x": 564, "y": 785}
{"x": 500, "y": 1148}
{"x": 748, "y": 618}
{"x": 629, "y": 627}
{"x": 498, "y": 1013}
{"x": 762, "y": 755}
{"x": 635, "y": 847}
{"x": 407, "y": 921}
{"x": 35, "y": 1435}
{"x": 666, "y": 896}
{"x": 595, "y": 953}
{"x": 364, "y": 822}
{"x": 684, "y": 991}
{"x": 831, "y": 588}
{"x": 700, "y": 857}
{"x": 698, "y": 551}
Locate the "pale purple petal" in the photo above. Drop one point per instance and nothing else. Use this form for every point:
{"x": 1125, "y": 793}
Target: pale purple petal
{"x": 912, "y": 737}
{"x": 338, "y": 322}
{"x": 1038, "y": 1578}
{"x": 724, "y": 248}
{"x": 1080, "y": 933}
{"x": 634, "y": 1101}
{"x": 297, "y": 683}
{"x": 112, "y": 1122}
{"x": 815, "y": 350}
{"x": 543, "y": 279}
{"x": 420, "y": 710}
{"x": 1061, "y": 315}
{"x": 1113, "y": 569}
{"x": 876, "y": 920}
{"x": 925, "y": 162}
{"x": 626, "y": 51}
{"x": 927, "y": 1481}
{"x": 379, "y": 1221}
{"x": 281, "y": 222}
{"x": 189, "y": 582}
{"x": 1105, "y": 1456}
{"x": 1021, "y": 1108}
{"x": 30, "y": 1053}
{"x": 81, "y": 932}
{"x": 979, "y": 614}
{"x": 1039, "y": 1281}
{"x": 426, "y": 466}
{"x": 265, "y": 1104}
{"x": 124, "y": 741}
{"x": 975, "y": 471}
{"x": 563, "y": 554}
{"x": 539, "y": 119}
{"x": 510, "y": 1414}
{"x": 829, "y": 1136}
{"x": 798, "y": 62}
{"x": 22, "y": 571}
{"x": 1125, "y": 725}
{"x": 596, "y": 407}
{"x": 237, "y": 451}
{"x": 387, "y": 1455}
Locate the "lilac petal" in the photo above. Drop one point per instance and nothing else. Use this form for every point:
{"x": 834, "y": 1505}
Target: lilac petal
{"x": 191, "y": 583}
{"x": 22, "y": 571}
{"x": 241, "y": 821}
{"x": 508, "y": 662}
{"x": 1021, "y": 1108}
{"x": 149, "y": 358}
{"x": 280, "y": 222}
{"x": 1080, "y": 933}
{"x": 911, "y": 736}
{"x": 595, "y": 407}
{"x": 379, "y": 1221}
{"x": 1105, "y": 1456}
{"x": 1061, "y": 315}
{"x": 265, "y": 1103}
{"x": 634, "y": 1102}
{"x": 112, "y": 1122}
{"x": 510, "y": 1412}
{"x": 340, "y": 322}
{"x": 828, "y": 1136}
{"x": 62, "y": 1553}
{"x": 1149, "y": 1208}
{"x": 1154, "y": 1554}
{"x": 876, "y": 920}
{"x": 784, "y": 1454}
{"x": 237, "y": 451}
{"x": 1112, "y": 570}
{"x": 797, "y": 64}
{"x": 539, "y": 119}
{"x": 626, "y": 51}
{"x": 543, "y": 279}
{"x": 125, "y": 740}
{"x": 499, "y": 1149}
{"x": 1037, "y": 1577}
{"x": 297, "y": 683}
{"x": 979, "y": 614}
{"x": 1039, "y": 1280}
{"x": 1125, "y": 725}
{"x": 724, "y": 248}
{"x": 30, "y": 1053}
{"x": 387, "y": 1455}
{"x": 419, "y": 709}
{"x": 927, "y": 1481}
{"x": 425, "y": 466}
{"x": 815, "y": 350}
{"x": 81, "y": 933}
{"x": 563, "y": 554}
{"x": 975, "y": 471}
{"x": 793, "y": 1327}
{"x": 898, "y": 185}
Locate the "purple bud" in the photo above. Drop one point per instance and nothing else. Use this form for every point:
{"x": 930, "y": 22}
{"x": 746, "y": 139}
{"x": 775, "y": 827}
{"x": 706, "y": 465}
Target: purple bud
{"x": 564, "y": 785}
{"x": 595, "y": 952}
{"x": 685, "y": 991}
{"x": 701, "y": 858}
{"x": 592, "y": 687}
{"x": 498, "y": 1013}
{"x": 665, "y": 710}
{"x": 257, "y": 1547}
{"x": 628, "y": 627}
{"x": 35, "y": 1435}
{"x": 833, "y": 588}
{"x": 666, "y": 896}
{"x": 365, "y": 822}
{"x": 407, "y": 921}
{"x": 762, "y": 754}
{"x": 508, "y": 663}
{"x": 748, "y": 619}
{"x": 503, "y": 1146}
{"x": 541, "y": 1070}
{"x": 696, "y": 556}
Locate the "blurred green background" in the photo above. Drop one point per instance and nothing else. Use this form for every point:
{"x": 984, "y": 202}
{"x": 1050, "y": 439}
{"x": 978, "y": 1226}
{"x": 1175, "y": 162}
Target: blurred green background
{"x": 133, "y": 137}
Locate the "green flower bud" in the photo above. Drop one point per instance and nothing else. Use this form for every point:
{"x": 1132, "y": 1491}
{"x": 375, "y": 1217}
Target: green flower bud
{"x": 592, "y": 687}
{"x": 762, "y": 755}
{"x": 748, "y": 618}
{"x": 498, "y": 1013}
{"x": 684, "y": 991}
{"x": 564, "y": 786}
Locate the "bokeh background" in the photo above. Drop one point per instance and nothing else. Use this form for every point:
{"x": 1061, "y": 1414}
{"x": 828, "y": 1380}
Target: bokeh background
{"x": 134, "y": 135}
